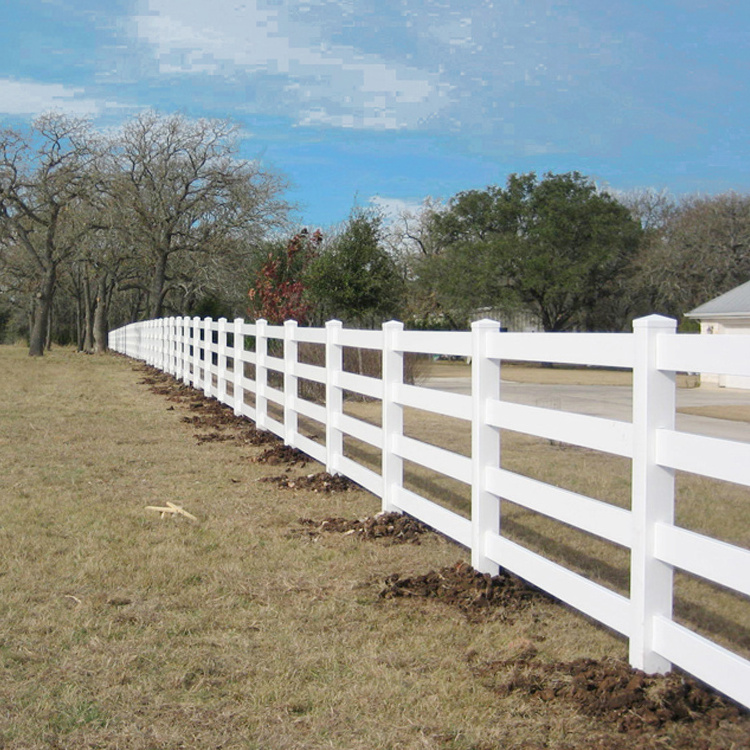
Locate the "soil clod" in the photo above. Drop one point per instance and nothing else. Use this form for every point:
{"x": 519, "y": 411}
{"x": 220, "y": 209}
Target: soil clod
{"x": 320, "y": 482}
{"x": 282, "y": 454}
{"x": 392, "y": 527}
{"x": 478, "y": 595}
{"x": 610, "y": 689}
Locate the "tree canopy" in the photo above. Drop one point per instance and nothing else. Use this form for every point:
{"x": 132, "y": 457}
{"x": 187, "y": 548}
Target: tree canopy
{"x": 553, "y": 245}
{"x": 162, "y": 217}
{"x": 355, "y": 278}
{"x": 48, "y": 176}
{"x": 152, "y": 220}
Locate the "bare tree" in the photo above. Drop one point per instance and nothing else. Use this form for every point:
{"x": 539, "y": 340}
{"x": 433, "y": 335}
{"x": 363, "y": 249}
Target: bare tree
{"x": 45, "y": 174}
{"x": 182, "y": 192}
{"x": 651, "y": 208}
{"x": 701, "y": 250}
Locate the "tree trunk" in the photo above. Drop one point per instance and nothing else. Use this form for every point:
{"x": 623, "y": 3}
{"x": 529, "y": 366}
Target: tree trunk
{"x": 156, "y": 293}
{"x": 101, "y": 327}
{"x": 50, "y": 320}
{"x": 79, "y": 323}
{"x": 41, "y": 314}
{"x": 88, "y": 334}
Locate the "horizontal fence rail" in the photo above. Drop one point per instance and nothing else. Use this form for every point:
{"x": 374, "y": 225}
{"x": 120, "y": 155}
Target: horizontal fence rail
{"x": 257, "y": 369}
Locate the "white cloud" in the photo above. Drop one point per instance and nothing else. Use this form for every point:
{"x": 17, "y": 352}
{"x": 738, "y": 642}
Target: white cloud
{"x": 325, "y": 83}
{"x": 456, "y": 32}
{"x": 393, "y": 208}
{"x": 30, "y": 98}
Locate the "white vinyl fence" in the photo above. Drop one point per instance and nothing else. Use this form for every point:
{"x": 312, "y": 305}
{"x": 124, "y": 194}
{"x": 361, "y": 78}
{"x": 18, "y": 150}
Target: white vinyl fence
{"x": 209, "y": 355}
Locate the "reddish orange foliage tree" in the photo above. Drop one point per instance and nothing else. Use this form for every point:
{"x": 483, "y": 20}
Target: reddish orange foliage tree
{"x": 278, "y": 292}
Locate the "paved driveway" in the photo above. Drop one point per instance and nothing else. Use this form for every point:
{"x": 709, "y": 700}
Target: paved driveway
{"x": 615, "y": 402}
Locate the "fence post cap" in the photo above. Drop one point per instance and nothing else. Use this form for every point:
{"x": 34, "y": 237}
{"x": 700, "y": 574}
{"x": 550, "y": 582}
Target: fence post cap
{"x": 485, "y": 323}
{"x": 655, "y": 321}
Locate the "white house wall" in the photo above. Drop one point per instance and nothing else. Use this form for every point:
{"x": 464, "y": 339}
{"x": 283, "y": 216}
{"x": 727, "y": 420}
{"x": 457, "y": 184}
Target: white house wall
{"x": 718, "y": 327}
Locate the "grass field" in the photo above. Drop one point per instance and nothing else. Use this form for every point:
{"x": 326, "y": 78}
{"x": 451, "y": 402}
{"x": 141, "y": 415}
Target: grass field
{"x": 123, "y": 629}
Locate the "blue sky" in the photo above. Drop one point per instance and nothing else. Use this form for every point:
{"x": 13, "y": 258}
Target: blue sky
{"x": 397, "y": 100}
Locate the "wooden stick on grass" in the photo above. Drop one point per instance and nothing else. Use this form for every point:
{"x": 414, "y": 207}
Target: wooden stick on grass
{"x": 171, "y": 508}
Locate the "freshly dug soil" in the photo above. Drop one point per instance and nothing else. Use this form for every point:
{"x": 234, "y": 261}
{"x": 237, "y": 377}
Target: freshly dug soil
{"x": 647, "y": 711}
{"x": 479, "y": 595}
{"x": 320, "y": 482}
{"x": 208, "y": 413}
{"x": 283, "y": 454}
{"x": 613, "y": 689}
{"x": 214, "y": 437}
{"x": 392, "y": 527}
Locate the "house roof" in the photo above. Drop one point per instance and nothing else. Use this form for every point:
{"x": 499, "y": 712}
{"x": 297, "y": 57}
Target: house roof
{"x": 735, "y": 302}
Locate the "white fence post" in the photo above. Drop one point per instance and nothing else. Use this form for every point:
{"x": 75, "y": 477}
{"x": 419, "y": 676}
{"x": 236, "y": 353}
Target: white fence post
{"x": 182, "y": 349}
{"x": 238, "y": 367}
{"x": 148, "y": 341}
{"x": 393, "y": 415}
{"x": 290, "y": 383}
{"x": 195, "y": 379}
{"x": 261, "y": 374}
{"x": 652, "y": 491}
{"x": 177, "y": 347}
{"x": 172, "y": 345}
{"x": 151, "y": 329}
{"x": 208, "y": 339}
{"x": 485, "y": 444}
{"x": 158, "y": 342}
{"x": 168, "y": 338}
{"x": 221, "y": 360}
{"x": 185, "y": 338}
{"x": 334, "y": 396}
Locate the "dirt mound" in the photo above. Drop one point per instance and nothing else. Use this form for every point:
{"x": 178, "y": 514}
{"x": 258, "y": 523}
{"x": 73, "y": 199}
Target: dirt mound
{"x": 251, "y": 435}
{"x": 393, "y": 527}
{"x": 635, "y": 703}
{"x": 479, "y": 595}
{"x": 320, "y": 482}
{"x": 645, "y": 711}
{"x": 213, "y": 413}
{"x": 214, "y": 437}
{"x": 207, "y": 413}
{"x": 282, "y": 454}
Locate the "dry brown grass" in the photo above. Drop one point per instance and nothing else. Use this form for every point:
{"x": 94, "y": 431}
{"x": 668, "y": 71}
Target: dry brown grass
{"x": 516, "y": 372}
{"x": 121, "y": 629}
{"x": 735, "y": 412}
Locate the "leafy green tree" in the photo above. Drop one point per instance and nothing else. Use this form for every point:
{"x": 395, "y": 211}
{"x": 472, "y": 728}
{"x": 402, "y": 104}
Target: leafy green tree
{"x": 555, "y": 246}
{"x": 354, "y": 278}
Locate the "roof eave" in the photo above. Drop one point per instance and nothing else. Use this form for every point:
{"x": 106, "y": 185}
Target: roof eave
{"x": 717, "y": 315}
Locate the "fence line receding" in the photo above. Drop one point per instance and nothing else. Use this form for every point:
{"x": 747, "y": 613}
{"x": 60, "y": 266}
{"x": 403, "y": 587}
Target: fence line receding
{"x": 255, "y": 368}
